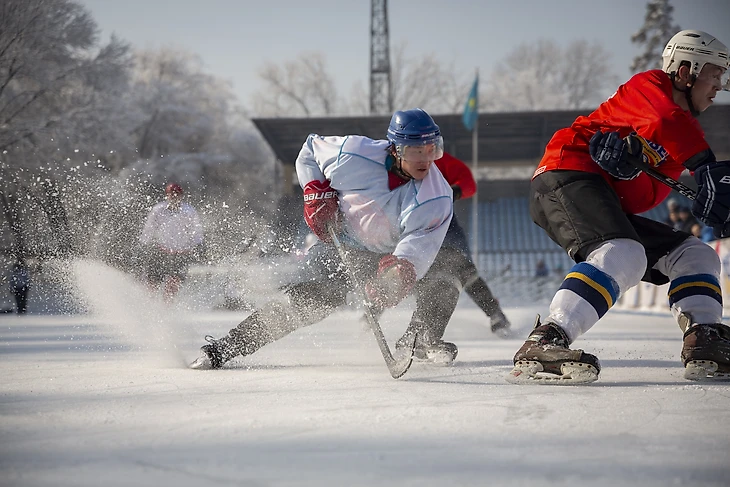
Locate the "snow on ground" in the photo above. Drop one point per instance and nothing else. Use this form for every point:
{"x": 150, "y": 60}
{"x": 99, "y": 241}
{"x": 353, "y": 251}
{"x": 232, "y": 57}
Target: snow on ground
{"x": 105, "y": 399}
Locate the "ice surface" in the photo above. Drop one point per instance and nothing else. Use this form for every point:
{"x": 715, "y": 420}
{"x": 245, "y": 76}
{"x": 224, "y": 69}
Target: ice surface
{"x": 105, "y": 399}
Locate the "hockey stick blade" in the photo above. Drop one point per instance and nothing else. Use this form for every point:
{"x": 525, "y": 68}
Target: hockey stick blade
{"x": 397, "y": 367}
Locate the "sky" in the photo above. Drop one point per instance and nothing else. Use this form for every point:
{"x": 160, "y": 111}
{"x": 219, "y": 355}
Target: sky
{"x": 104, "y": 398}
{"x": 236, "y": 38}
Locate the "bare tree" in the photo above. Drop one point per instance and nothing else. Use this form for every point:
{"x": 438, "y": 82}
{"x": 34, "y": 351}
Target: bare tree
{"x": 427, "y": 83}
{"x": 543, "y": 76}
{"x": 302, "y": 87}
{"x": 585, "y": 78}
{"x": 653, "y": 35}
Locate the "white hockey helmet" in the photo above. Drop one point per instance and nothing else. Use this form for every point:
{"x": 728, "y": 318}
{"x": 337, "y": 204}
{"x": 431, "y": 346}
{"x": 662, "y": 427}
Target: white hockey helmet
{"x": 697, "y": 48}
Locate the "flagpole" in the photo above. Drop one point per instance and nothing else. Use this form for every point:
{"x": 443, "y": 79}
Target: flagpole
{"x": 475, "y": 198}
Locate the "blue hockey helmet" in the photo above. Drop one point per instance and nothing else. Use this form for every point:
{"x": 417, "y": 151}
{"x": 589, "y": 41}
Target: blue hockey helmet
{"x": 415, "y": 127}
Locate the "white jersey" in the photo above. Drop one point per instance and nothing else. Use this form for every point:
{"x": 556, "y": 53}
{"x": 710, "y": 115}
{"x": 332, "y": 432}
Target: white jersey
{"x": 172, "y": 230}
{"x": 409, "y": 221}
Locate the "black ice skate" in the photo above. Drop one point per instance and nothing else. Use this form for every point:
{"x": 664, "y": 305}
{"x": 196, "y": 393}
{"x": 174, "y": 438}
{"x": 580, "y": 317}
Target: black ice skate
{"x": 546, "y": 358}
{"x": 500, "y": 324}
{"x": 210, "y": 356}
{"x": 428, "y": 348}
{"x": 706, "y": 352}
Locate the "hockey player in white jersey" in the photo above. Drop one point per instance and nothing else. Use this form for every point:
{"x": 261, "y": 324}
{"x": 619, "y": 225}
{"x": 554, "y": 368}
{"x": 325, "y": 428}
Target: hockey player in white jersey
{"x": 171, "y": 239}
{"x": 391, "y": 208}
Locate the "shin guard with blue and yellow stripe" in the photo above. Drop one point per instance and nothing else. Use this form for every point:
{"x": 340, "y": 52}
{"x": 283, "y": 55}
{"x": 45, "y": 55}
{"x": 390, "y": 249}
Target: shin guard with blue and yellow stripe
{"x": 698, "y": 295}
{"x": 593, "y": 285}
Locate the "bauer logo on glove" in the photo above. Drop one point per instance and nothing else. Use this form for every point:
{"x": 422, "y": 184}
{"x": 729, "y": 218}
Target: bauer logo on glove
{"x": 321, "y": 207}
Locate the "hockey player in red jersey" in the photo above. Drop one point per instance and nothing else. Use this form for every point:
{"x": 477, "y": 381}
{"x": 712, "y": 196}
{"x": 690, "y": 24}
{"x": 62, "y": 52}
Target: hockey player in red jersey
{"x": 586, "y": 193}
{"x": 436, "y": 297}
{"x": 464, "y": 186}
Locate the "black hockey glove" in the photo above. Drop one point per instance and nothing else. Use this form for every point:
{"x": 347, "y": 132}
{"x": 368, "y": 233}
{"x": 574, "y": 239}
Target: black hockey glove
{"x": 611, "y": 152}
{"x": 712, "y": 205}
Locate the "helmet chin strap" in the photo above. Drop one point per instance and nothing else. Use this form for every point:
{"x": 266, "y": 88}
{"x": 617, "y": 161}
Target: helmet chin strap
{"x": 687, "y": 93}
{"x": 397, "y": 167}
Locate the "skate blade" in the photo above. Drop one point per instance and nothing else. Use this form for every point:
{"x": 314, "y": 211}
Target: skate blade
{"x": 505, "y": 333}
{"x": 572, "y": 373}
{"x": 440, "y": 358}
{"x": 704, "y": 370}
{"x": 201, "y": 363}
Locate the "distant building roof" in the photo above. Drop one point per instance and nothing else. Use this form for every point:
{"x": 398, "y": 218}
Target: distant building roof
{"x": 505, "y": 139}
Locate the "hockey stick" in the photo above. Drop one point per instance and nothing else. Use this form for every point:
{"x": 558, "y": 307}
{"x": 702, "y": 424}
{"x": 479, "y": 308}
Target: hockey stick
{"x": 638, "y": 162}
{"x": 399, "y": 367}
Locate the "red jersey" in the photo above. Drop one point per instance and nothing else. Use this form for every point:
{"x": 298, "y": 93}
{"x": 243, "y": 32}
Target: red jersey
{"x": 457, "y": 173}
{"x": 644, "y": 105}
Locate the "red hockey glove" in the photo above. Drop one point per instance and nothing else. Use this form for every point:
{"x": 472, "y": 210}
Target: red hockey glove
{"x": 394, "y": 280}
{"x": 320, "y": 207}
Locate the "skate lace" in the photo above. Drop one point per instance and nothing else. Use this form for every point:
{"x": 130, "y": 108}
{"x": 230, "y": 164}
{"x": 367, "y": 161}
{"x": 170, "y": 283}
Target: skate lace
{"x": 550, "y": 334}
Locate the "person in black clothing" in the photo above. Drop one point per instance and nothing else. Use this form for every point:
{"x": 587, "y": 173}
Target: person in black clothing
{"x": 20, "y": 285}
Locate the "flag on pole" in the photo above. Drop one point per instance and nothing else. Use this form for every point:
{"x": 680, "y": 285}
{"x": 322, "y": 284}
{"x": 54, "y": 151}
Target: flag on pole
{"x": 471, "y": 108}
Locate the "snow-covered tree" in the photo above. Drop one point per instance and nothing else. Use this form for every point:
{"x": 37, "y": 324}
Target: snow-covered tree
{"x": 89, "y": 134}
{"x": 189, "y": 128}
{"x": 55, "y": 79}
{"x": 653, "y": 35}
{"x": 58, "y": 92}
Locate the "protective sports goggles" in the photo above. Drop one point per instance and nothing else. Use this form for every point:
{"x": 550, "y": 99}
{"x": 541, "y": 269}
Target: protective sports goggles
{"x": 428, "y": 152}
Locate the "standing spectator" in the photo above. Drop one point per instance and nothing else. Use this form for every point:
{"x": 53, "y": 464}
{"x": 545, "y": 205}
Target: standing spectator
{"x": 673, "y": 219}
{"x": 171, "y": 239}
{"x": 20, "y": 285}
{"x": 541, "y": 270}
{"x": 687, "y": 222}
